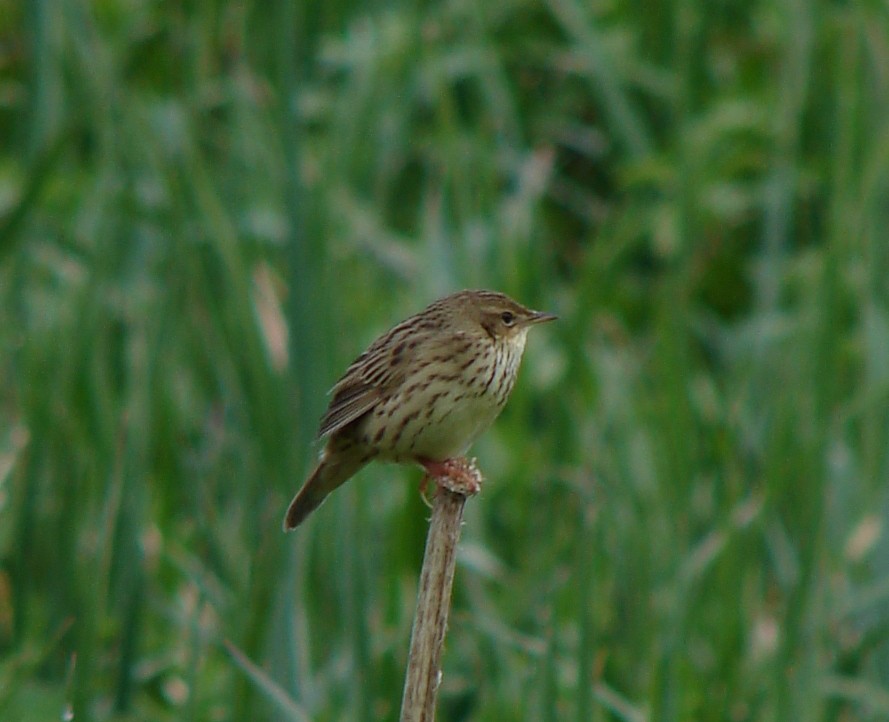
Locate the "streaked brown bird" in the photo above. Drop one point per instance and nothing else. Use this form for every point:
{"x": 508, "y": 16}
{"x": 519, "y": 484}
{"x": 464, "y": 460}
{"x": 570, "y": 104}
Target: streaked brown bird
{"x": 422, "y": 393}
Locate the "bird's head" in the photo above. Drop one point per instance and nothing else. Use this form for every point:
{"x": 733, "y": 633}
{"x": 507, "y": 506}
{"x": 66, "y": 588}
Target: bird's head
{"x": 496, "y": 314}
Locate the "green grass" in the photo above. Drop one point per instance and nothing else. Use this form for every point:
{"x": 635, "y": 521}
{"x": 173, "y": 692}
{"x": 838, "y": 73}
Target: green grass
{"x": 208, "y": 209}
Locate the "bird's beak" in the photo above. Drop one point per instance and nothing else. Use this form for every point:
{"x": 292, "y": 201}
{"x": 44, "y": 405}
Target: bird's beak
{"x": 541, "y": 317}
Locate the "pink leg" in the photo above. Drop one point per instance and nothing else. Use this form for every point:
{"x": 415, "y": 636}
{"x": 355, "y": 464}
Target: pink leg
{"x": 459, "y": 475}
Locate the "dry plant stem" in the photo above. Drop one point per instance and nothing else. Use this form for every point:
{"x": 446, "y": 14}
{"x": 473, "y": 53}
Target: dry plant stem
{"x": 434, "y": 598}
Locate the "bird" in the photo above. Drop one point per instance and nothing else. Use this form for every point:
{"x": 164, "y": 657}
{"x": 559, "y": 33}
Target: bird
{"x": 421, "y": 393}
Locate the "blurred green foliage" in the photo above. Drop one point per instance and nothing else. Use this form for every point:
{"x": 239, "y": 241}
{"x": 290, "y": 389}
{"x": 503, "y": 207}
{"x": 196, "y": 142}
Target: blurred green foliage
{"x": 207, "y": 209}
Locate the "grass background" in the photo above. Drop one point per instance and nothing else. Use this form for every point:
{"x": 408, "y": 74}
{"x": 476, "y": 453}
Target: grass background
{"x": 208, "y": 208}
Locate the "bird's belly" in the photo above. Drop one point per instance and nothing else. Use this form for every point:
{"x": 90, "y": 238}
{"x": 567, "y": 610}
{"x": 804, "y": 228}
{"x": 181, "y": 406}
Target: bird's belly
{"x": 459, "y": 426}
{"x": 437, "y": 429}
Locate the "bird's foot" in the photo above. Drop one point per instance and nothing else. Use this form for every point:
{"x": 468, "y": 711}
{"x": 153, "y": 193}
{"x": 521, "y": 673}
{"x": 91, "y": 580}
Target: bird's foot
{"x": 459, "y": 475}
{"x": 425, "y": 483}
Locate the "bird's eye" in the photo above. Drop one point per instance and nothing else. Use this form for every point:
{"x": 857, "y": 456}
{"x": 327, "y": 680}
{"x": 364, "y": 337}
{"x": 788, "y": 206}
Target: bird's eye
{"x": 508, "y": 318}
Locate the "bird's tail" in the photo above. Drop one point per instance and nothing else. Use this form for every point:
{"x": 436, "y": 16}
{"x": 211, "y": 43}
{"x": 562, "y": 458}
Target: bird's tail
{"x": 332, "y": 471}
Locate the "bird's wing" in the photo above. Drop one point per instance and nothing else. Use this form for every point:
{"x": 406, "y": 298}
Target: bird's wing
{"x": 349, "y": 403}
{"x": 365, "y": 382}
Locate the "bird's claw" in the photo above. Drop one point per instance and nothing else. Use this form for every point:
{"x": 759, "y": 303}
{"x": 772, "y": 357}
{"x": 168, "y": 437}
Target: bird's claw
{"x": 459, "y": 475}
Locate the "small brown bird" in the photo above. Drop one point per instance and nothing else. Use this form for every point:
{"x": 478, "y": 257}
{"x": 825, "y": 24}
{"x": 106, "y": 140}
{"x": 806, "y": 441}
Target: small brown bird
{"x": 422, "y": 392}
